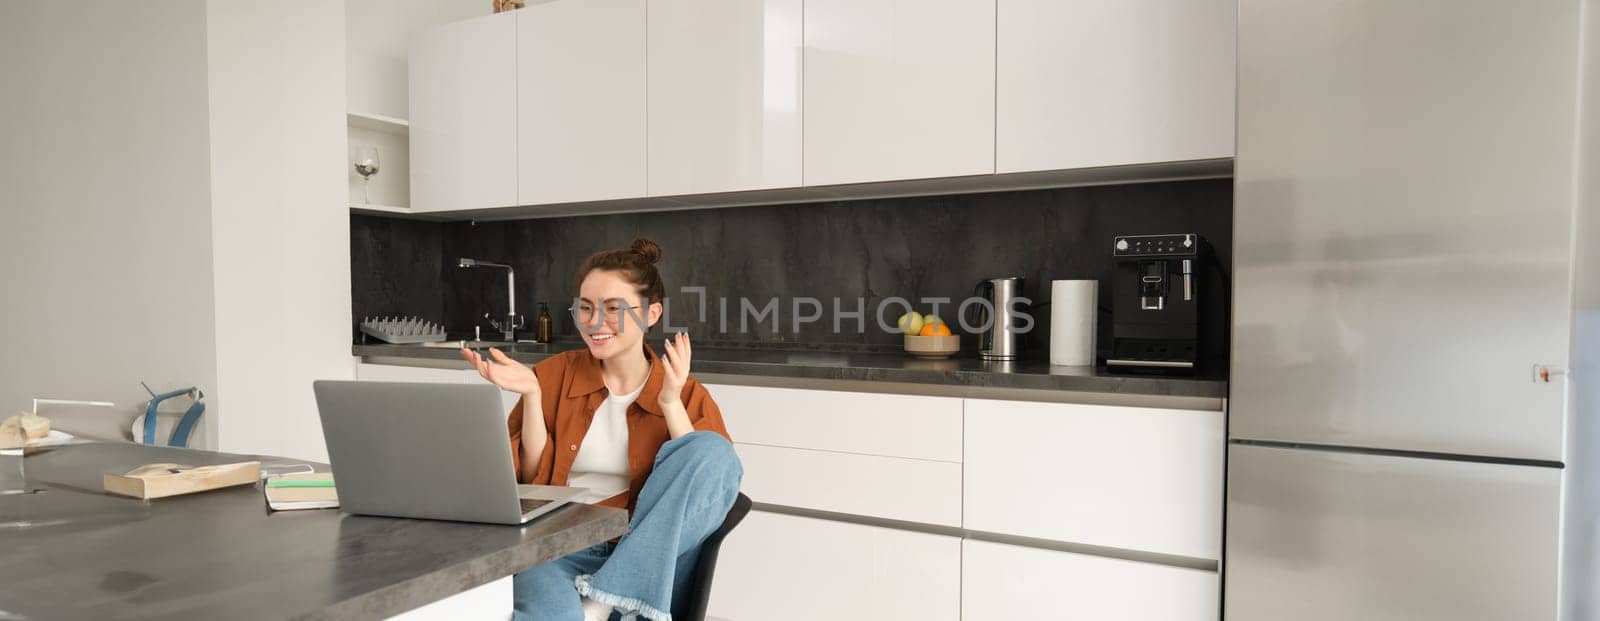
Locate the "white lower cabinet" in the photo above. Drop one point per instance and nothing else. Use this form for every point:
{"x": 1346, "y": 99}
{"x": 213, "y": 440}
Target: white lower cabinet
{"x": 777, "y": 567}
{"x": 899, "y": 460}
{"x": 1001, "y": 582}
{"x": 487, "y": 601}
{"x": 1134, "y": 478}
{"x": 399, "y": 373}
{"x": 906, "y": 426}
{"x": 912, "y": 490}
{"x": 1139, "y": 479}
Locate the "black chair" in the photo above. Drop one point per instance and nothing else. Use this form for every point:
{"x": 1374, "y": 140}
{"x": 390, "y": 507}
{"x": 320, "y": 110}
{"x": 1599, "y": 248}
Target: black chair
{"x": 694, "y": 608}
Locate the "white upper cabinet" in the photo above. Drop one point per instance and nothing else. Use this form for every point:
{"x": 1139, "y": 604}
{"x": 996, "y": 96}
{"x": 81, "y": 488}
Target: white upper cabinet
{"x": 1084, "y": 83}
{"x": 898, "y": 89}
{"x": 723, "y": 95}
{"x": 569, "y": 101}
{"x": 463, "y": 106}
{"x": 580, "y": 100}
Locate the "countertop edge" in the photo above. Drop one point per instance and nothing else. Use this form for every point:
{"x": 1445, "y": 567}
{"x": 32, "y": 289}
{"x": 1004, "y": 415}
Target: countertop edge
{"x": 998, "y": 393}
{"x": 445, "y": 582}
{"x": 887, "y": 381}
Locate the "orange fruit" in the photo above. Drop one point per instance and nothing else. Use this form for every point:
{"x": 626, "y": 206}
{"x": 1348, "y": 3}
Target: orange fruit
{"x": 934, "y": 328}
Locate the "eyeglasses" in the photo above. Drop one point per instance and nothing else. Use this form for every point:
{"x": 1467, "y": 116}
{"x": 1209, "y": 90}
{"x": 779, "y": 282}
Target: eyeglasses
{"x": 584, "y": 312}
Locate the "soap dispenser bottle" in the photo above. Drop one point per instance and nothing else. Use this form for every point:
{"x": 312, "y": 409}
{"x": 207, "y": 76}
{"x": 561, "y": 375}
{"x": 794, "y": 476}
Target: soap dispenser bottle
{"x": 546, "y": 323}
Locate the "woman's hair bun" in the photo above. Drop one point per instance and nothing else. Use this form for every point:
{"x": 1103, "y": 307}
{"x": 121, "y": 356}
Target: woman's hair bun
{"x": 645, "y": 248}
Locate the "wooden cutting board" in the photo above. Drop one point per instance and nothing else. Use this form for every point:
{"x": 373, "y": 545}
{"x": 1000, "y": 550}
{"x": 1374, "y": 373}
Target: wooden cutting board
{"x": 162, "y": 480}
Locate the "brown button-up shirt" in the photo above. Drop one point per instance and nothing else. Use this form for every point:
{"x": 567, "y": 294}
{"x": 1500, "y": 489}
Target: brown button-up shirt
{"x": 571, "y": 389}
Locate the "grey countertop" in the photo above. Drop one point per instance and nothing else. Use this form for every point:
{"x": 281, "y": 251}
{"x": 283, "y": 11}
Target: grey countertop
{"x": 222, "y": 555}
{"x": 886, "y": 372}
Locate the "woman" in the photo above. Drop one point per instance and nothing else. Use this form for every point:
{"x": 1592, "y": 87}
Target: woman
{"x": 616, "y": 417}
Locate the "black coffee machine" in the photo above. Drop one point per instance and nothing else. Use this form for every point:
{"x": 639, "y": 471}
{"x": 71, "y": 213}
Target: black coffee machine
{"x": 1156, "y": 311}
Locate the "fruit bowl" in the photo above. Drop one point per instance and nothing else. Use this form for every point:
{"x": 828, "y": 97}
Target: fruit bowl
{"x": 932, "y": 347}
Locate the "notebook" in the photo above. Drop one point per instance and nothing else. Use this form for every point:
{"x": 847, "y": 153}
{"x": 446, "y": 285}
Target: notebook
{"x": 290, "y": 492}
{"x": 169, "y": 479}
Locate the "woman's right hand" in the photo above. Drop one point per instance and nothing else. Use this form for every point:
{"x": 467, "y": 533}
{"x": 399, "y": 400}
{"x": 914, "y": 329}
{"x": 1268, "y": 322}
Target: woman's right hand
{"x": 504, "y": 372}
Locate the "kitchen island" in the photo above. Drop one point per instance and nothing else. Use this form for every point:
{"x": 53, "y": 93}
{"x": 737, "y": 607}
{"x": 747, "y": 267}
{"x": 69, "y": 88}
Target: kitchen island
{"x": 71, "y": 551}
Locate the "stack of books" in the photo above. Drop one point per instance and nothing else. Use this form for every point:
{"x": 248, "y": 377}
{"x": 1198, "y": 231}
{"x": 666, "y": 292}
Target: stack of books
{"x": 289, "y": 492}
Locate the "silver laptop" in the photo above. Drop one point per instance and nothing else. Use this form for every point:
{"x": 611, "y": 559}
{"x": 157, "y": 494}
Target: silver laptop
{"x": 424, "y": 450}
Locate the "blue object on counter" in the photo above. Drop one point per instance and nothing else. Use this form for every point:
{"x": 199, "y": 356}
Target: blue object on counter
{"x": 180, "y": 433}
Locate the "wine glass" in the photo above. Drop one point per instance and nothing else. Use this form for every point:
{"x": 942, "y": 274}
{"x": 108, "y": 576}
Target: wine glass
{"x": 366, "y": 166}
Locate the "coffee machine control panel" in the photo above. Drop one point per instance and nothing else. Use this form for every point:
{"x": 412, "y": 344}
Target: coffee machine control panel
{"x": 1155, "y": 245}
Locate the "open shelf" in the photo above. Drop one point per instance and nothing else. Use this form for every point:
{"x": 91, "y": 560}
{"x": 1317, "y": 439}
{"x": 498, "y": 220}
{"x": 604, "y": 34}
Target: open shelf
{"x": 392, "y": 138}
{"x": 379, "y": 123}
{"x": 373, "y": 208}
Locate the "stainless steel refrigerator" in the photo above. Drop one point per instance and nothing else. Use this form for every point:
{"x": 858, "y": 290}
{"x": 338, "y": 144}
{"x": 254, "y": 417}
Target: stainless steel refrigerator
{"x": 1414, "y": 418}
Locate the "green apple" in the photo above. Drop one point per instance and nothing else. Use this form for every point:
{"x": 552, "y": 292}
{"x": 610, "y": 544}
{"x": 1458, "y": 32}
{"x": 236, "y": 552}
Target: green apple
{"x": 910, "y": 323}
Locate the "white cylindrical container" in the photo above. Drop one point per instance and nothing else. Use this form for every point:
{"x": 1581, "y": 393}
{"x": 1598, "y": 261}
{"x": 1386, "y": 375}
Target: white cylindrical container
{"x": 1074, "y": 308}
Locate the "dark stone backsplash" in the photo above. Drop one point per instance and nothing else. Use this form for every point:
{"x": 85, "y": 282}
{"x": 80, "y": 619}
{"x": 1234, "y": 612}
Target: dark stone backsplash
{"x": 396, "y": 268}
{"x": 914, "y": 247}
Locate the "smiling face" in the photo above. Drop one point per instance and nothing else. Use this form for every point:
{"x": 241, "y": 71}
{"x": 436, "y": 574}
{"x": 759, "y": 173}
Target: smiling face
{"x": 609, "y": 313}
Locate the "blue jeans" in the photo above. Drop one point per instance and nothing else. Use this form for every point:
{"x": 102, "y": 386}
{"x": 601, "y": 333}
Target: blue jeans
{"x": 685, "y": 499}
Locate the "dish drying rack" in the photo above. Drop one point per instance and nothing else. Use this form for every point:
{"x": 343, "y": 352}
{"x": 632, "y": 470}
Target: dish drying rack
{"x": 402, "y": 330}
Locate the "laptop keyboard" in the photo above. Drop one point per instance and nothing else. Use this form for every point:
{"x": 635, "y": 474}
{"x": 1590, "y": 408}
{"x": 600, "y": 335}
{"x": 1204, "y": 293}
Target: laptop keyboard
{"x": 529, "y": 504}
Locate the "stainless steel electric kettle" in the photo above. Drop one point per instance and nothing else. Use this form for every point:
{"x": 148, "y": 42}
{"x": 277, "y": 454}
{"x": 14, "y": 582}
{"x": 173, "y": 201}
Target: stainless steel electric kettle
{"x": 998, "y": 338}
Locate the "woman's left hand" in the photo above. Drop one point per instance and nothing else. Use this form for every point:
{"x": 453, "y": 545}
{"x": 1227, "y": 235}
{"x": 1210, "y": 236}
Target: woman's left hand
{"x": 676, "y": 361}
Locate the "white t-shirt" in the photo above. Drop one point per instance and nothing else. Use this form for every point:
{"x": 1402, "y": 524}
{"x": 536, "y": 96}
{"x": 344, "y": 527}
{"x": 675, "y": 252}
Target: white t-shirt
{"x": 602, "y": 461}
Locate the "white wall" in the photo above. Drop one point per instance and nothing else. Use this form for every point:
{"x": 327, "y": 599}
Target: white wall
{"x": 377, "y": 32}
{"x": 280, "y": 228}
{"x": 105, "y": 250}
{"x": 172, "y": 209}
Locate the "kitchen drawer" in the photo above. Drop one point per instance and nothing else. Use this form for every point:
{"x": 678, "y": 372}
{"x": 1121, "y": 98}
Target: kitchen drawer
{"x": 1135, "y": 478}
{"x": 397, "y": 373}
{"x": 785, "y": 568}
{"x": 888, "y": 487}
{"x": 907, "y": 426}
{"x": 1000, "y": 581}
